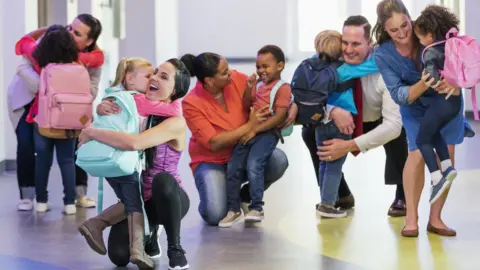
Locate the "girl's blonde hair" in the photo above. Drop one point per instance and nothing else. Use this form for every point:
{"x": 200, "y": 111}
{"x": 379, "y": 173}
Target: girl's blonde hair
{"x": 128, "y": 65}
{"x": 329, "y": 42}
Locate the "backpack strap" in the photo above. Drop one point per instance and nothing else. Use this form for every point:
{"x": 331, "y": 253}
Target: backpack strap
{"x": 429, "y": 46}
{"x": 273, "y": 94}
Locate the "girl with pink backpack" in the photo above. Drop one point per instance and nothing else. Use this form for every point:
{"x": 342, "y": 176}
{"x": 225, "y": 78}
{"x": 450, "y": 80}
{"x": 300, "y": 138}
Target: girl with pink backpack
{"x": 432, "y": 28}
{"x": 57, "y": 51}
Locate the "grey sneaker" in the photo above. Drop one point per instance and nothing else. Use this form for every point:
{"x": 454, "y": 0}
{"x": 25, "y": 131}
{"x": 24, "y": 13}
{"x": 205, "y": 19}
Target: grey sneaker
{"x": 254, "y": 216}
{"x": 330, "y": 212}
{"x": 230, "y": 219}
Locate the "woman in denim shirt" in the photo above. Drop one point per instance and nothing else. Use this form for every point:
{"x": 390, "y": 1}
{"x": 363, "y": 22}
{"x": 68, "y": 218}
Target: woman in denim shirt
{"x": 398, "y": 57}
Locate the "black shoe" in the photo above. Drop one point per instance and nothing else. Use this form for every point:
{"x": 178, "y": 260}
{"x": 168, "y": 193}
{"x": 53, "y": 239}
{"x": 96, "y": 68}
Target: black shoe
{"x": 152, "y": 248}
{"x": 330, "y": 212}
{"x": 177, "y": 258}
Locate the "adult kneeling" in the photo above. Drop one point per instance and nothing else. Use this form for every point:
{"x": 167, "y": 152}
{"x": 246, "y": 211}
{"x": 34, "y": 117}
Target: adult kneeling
{"x": 216, "y": 117}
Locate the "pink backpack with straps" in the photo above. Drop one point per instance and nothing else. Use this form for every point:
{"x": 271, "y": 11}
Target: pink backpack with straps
{"x": 462, "y": 63}
{"x": 64, "y": 101}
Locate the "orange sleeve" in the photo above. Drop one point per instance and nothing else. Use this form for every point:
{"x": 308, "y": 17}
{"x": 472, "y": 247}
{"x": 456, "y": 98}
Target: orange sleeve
{"x": 93, "y": 59}
{"x": 26, "y": 46}
{"x": 202, "y": 130}
{"x": 283, "y": 97}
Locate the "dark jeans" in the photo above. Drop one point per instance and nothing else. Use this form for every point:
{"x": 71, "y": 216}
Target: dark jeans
{"x": 330, "y": 172}
{"x": 168, "y": 206}
{"x": 127, "y": 189}
{"x": 396, "y": 152}
{"x": 437, "y": 116}
{"x": 252, "y": 159}
{"x": 25, "y": 153}
{"x": 65, "y": 157}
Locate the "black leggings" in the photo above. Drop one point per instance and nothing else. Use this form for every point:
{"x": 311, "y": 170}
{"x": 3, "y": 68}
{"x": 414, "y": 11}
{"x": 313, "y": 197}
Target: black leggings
{"x": 168, "y": 206}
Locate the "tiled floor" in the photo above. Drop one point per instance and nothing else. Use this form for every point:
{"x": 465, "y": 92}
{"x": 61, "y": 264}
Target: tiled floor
{"x": 290, "y": 238}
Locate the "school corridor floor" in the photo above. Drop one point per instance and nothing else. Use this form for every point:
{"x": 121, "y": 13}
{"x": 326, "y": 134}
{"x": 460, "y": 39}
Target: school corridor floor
{"x": 290, "y": 238}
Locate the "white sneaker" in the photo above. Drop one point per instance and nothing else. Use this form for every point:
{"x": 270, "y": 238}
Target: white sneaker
{"x": 70, "y": 209}
{"x": 42, "y": 207}
{"x": 86, "y": 202}
{"x": 25, "y": 205}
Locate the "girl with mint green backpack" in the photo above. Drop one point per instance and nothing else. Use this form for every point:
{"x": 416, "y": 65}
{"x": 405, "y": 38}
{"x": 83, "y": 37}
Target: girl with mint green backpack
{"x": 122, "y": 168}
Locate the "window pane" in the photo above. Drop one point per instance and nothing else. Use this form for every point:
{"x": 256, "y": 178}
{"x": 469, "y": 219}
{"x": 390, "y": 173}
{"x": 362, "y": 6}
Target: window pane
{"x": 315, "y": 16}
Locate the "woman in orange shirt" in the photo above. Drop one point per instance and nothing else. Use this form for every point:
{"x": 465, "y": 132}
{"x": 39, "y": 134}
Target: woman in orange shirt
{"x": 216, "y": 117}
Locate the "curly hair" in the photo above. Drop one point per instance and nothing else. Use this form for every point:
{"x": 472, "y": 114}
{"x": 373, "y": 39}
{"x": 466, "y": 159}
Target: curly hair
{"x": 436, "y": 20}
{"x": 57, "y": 46}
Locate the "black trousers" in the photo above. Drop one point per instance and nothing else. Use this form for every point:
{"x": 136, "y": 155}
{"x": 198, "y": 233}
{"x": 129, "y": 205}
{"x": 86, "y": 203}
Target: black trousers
{"x": 168, "y": 206}
{"x": 25, "y": 153}
{"x": 396, "y": 152}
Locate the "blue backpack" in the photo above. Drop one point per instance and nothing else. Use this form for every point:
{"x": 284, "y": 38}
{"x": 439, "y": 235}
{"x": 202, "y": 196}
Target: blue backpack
{"x": 288, "y": 130}
{"x": 313, "y": 80}
{"x": 101, "y": 160}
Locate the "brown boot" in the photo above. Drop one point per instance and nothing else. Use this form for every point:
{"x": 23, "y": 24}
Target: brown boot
{"x": 136, "y": 231}
{"x": 92, "y": 229}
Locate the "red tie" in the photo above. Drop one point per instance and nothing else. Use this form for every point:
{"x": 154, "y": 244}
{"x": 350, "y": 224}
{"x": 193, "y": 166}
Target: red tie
{"x": 358, "y": 119}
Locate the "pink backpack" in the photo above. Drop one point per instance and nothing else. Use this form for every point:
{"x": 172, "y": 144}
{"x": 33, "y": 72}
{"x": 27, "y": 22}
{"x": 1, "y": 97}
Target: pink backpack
{"x": 462, "y": 63}
{"x": 64, "y": 101}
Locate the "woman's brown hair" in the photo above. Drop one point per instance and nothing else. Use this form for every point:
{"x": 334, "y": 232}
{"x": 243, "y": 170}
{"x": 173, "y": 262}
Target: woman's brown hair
{"x": 385, "y": 11}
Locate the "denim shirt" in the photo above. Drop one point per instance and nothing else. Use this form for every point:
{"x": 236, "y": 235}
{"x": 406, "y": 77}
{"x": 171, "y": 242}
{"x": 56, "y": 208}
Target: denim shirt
{"x": 347, "y": 72}
{"x": 399, "y": 74}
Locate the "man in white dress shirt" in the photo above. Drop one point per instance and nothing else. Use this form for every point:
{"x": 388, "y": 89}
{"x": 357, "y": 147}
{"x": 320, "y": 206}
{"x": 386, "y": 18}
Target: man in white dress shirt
{"x": 382, "y": 123}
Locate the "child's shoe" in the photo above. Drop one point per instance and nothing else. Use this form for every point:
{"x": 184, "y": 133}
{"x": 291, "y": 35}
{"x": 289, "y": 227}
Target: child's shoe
{"x": 254, "y": 216}
{"x": 231, "y": 218}
{"x": 136, "y": 228}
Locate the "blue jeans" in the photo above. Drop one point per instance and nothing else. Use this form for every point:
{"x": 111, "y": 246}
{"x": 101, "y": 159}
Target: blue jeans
{"x": 211, "y": 182}
{"x": 437, "y": 116}
{"x": 128, "y": 191}
{"x": 330, "y": 172}
{"x": 65, "y": 149}
{"x": 25, "y": 154}
{"x": 250, "y": 158}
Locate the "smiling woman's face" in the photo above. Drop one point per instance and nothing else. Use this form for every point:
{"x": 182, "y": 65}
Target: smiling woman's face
{"x": 162, "y": 83}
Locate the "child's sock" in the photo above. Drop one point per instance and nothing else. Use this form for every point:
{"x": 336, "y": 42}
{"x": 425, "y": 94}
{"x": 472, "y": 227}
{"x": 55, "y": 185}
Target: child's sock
{"x": 445, "y": 164}
{"x": 436, "y": 177}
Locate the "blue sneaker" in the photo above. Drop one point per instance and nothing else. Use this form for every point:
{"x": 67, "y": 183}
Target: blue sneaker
{"x": 450, "y": 174}
{"x": 439, "y": 189}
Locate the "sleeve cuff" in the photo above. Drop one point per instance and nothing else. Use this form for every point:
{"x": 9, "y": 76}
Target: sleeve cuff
{"x": 361, "y": 144}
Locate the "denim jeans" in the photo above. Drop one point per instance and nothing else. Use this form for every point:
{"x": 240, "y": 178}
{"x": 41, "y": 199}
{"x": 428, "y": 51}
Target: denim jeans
{"x": 25, "y": 155}
{"x": 211, "y": 183}
{"x": 437, "y": 116}
{"x": 330, "y": 172}
{"x": 250, "y": 158}
{"x": 128, "y": 191}
{"x": 65, "y": 157}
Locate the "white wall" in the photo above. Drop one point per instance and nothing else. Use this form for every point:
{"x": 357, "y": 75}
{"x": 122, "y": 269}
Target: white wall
{"x": 235, "y": 29}
{"x": 3, "y": 94}
{"x": 151, "y": 30}
{"x": 472, "y": 27}
{"x": 16, "y": 19}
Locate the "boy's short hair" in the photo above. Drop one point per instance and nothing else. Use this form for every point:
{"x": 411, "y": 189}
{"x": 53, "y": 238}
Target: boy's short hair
{"x": 275, "y": 51}
{"x": 329, "y": 42}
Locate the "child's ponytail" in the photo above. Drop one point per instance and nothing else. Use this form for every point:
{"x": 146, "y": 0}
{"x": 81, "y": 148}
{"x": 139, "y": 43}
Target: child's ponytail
{"x": 120, "y": 73}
